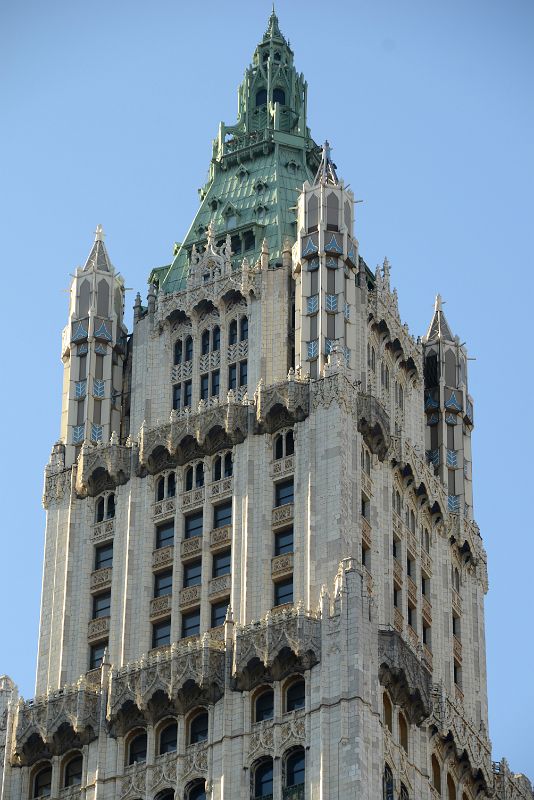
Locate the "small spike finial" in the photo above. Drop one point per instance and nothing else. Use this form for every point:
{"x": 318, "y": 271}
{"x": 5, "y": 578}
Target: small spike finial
{"x": 99, "y": 234}
{"x": 327, "y": 169}
{"x": 438, "y": 303}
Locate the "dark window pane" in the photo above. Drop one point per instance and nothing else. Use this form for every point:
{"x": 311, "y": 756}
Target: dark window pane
{"x": 199, "y": 728}
{"x": 198, "y": 792}
{"x": 217, "y": 469}
{"x": 191, "y": 623}
{"x": 161, "y": 633}
{"x": 232, "y": 376}
{"x": 222, "y": 515}
{"x": 279, "y": 447}
{"x": 205, "y": 342}
{"x": 232, "y": 332}
{"x": 160, "y": 489}
{"x": 188, "y": 393}
{"x": 216, "y": 338}
{"x": 178, "y": 352}
{"x": 97, "y": 654}
{"x": 295, "y": 769}
{"x": 189, "y": 479}
{"x": 279, "y": 96}
{"x": 228, "y": 465}
{"x": 176, "y": 396}
{"x": 263, "y": 779}
{"x": 164, "y": 535}
{"x": 261, "y": 98}
{"x": 283, "y": 592}
{"x": 42, "y": 785}
{"x": 171, "y": 485}
{"x": 249, "y": 240}
{"x": 215, "y": 382}
{"x": 284, "y": 492}
{"x": 290, "y": 443}
{"x": 110, "y": 510}
{"x": 218, "y": 613}
{"x": 204, "y": 387}
{"x": 264, "y": 706}
{"x": 193, "y": 525}
{"x": 295, "y": 696}
{"x": 168, "y": 739}
{"x": 104, "y": 556}
{"x": 243, "y": 329}
{"x": 99, "y": 516}
{"x": 243, "y": 373}
{"x": 199, "y": 475}
{"x": 222, "y": 563}
{"x": 193, "y": 573}
{"x": 283, "y": 542}
{"x": 101, "y": 605}
{"x": 73, "y": 772}
{"x": 189, "y": 348}
{"x": 137, "y": 751}
{"x": 163, "y": 583}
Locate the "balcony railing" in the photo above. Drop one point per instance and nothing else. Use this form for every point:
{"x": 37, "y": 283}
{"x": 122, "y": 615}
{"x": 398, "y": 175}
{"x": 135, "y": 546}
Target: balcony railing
{"x": 103, "y": 530}
{"x": 282, "y": 515}
{"x": 220, "y": 585}
{"x": 220, "y": 537}
{"x": 191, "y": 547}
{"x": 100, "y": 579}
{"x": 160, "y": 606}
{"x": 283, "y": 466}
{"x": 164, "y": 508}
{"x": 194, "y": 497}
{"x": 220, "y": 489}
{"x": 190, "y": 596}
{"x": 98, "y": 628}
{"x": 412, "y": 590}
{"x": 293, "y": 792}
{"x": 162, "y": 557}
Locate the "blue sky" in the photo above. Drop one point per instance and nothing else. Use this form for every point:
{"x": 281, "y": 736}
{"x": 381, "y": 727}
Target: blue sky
{"x": 108, "y": 114}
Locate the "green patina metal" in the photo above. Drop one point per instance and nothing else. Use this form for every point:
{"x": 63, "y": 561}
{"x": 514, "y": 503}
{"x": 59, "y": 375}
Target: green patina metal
{"x": 258, "y": 165}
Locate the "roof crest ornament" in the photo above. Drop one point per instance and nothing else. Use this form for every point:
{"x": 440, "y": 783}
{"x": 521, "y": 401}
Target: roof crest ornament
{"x": 327, "y": 169}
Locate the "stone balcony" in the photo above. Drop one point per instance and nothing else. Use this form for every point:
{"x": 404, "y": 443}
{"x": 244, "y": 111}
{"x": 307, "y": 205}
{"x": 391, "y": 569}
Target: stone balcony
{"x": 220, "y": 586}
{"x": 366, "y": 532}
{"x": 164, "y": 508}
{"x": 102, "y": 531}
{"x": 75, "y": 706}
{"x": 193, "y": 498}
{"x": 426, "y": 609}
{"x": 282, "y": 565}
{"x": 100, "y": 579}
{"x": 189, "y": 548}
{"x": 281, "y": 467}
{"x": 162, "y": 557}
{"x": 406, "y": 677}
{"x": 412, "y": 590}
{"x": 220, "y": 538}
{"x": 190, "y": 596}
{"x": 456, "y": 602}
{"x": 266, "y": 641}
{"x": 160, "y": 606}
{"x": 186, "y": 673}
{"x": 221, "y": 489}
{"x": 282, "y": 515}
{"x": 102, "y": 466}
{"x": 98, "y": 629}
{"x": 397, "y": 572}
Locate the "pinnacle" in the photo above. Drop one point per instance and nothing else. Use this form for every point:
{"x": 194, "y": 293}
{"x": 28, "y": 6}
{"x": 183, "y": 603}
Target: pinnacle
{"x": 99, "y": 234}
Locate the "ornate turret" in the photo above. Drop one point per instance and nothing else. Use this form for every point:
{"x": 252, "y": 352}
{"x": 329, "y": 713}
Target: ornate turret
{"x": 449, "y": 411}
{"x": 325, "y": 259}
{"x": 93, "y": 352}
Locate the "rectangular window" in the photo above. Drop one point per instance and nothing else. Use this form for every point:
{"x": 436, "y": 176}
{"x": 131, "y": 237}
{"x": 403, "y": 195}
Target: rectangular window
{"x": 410, "y": 567}
{"x": 101, "y": 605}
{"x": 222, "y": 515}
{"x": 283, "y": 542}
{"x": 188, "y": 393}
{"x": 397, "y": 600}
{"x": 243, "y": 373}
{"x": 161, "y": 633}
{"x": 165, "y": 534}
{"x": 456, "y": 626}
{"x": 204, "y": 387}
{"x": 283, "y": 592}
{"x": 426, "y": 634}
{"x": 82, "y": 368}
{"x": 104, "y": 556}
{"x": 96, "y": 654}
{"x": 163, "y": 583}
{"x": 191, "y": 623}
{"x": 99, "y": 366}
{"x": 284, "y": 493}
{"x": 425, "y": 586}
{"x": 215, "y": 383}
{"x": 411, "y": 617}
{"x": 396, "y": 548}
{"x": 222, "y": 563}
{"x": 193, "y": 573}
{"x": 193, "y": 525}
{"x": 366, "y": 556}
{"x": 218, "y": 613}
{"x": 176, "y": 396}
{"x": 313, "y": 327}
{"x": 232, "y": 376}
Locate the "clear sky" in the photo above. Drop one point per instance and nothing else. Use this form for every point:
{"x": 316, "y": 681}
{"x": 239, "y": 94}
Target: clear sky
{"x": 108, "y": 110}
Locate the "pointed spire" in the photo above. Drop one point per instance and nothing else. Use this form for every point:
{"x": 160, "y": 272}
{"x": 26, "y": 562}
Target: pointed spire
{"x": 327, "y": 169}
{"x": 98, "y": 257}
{"x": 273, "y": 29}
{"x": 439, "y": 327}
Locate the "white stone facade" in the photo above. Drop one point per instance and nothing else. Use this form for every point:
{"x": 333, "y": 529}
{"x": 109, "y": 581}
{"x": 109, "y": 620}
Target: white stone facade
{"x": 256, "y": 583}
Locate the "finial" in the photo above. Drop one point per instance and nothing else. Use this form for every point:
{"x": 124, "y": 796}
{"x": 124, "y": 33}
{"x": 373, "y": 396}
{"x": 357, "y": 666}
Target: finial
{"x": 438, "y": 303}
{"x": 99, "y": 234}
{"x": 327, "y": 169}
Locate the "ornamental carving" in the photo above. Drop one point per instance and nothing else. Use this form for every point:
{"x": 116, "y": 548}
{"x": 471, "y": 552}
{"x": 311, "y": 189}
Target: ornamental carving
{"x": 185, "y": 673}
{"x": 282, "y": 564}
{"x": 220, "y": 585}
{"x": 275, "y": 738}
{"x": 282, "y": 514}
{"x": 160, "y": 606}
{"x": 74, "y": 709}
{"x": 98, "y": 628}
{"x": 100, "y": 579}
{"x": 261, "y": 643}
{"x": 190, "y": 595}
{"x": 373, "y": 423}
{"x": 56, "y": 486}
{"x": 196, "y": 759}
{"x": 103, "y": 530}
{"x": 162, "y": 557}
{"x": 220, "y": 489}
{"x": 220, "y": 537}
{"x": 191, "y": 547}
{"x": 164, "y": 508}
{"x": 406, "y": 678}
{"x": 281, "y": 404}
{"x": 101, "y": 467}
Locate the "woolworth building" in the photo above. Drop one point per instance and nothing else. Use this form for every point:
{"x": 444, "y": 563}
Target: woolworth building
{"x": 263, "y": 576}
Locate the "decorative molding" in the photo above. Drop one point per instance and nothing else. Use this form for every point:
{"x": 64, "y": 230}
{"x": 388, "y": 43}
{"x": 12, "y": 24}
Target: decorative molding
{"x": 406, "y": 678}
{"x": 101, "y": 467}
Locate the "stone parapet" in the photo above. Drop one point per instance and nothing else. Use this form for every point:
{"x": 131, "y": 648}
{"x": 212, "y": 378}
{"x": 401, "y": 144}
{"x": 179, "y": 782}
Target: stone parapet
{"x": 102, "y": 466}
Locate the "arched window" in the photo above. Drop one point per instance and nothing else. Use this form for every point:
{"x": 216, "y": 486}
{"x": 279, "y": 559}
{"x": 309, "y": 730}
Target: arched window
{"x": 205, "y": 342}
{"x": 228, "y": 465}
{"x": 197, "y": 791}
{"x": 277, "y": 56}
{"x": 166, "y": 794}
{"x": 178, "y": 352}
{"x": 387, "y": 710}
{"x": 189, "y": 348}
{"x": 73, "y": 771}
{"x": 160, "y": 489}
{"x": 290, "y": 443}
{"x": 451, "y": 788}
{"x": 261, "y": 97}
{"x": 332, "y": 212}
{"x": 279, "y": 96}
{"x": 295, "y": 696}
{"x": 168, "y": 738}
{"x": 404, "y": 793}
{"x": 198, "y": 731}
{"x": 313, "y": 213}
{"x": 243, "y": 329}
{"x": 295, "y": 768}
{"x": 171, "y": 484}
{"x": 279, "y": 447}
{"x": 100, "y": 507}
{"x": 84, "y": 299}
{"x": 388, "y": 783}
{"x": 189, "y": 479}
{"x": 264, "y": 706}
{"x": 436, "y": 775}
{"x": 110, "y": 508}
{"x": 216, "y": 338}
{"x": 263, "y": 779}
{"x": 232, "y": 332}
{"x": 217, "y": 473}
{"x": 403, "y": 732}
{"x": 42, "y": 782}
{"x": 137, "y": 749}
{"x": 199, "y": 475}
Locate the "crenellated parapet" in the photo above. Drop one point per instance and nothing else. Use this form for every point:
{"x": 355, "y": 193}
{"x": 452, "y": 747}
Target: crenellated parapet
{"x": 452, "y": 725}
{"x": 281, "y": 642}
{"x": 102, "y": 466}
{"x": 404, "y": 675}
{"x": 52, "y": 723}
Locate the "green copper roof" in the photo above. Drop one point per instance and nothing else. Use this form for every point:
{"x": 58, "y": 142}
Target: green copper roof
{"x": 258, "y": 165}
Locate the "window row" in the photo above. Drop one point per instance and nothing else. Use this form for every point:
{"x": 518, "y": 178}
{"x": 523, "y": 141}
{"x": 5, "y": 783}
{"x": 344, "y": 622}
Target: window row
{"x": 210, "y": 384}
{"x": 197, "y": 729}
{"x": 210, "y": 340}
{"x": 293, "y": 775}
{"x": 71, "y": 775}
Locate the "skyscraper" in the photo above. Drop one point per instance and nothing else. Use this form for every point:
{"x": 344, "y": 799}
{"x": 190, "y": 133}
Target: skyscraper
{"x": 262, "y": 577}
